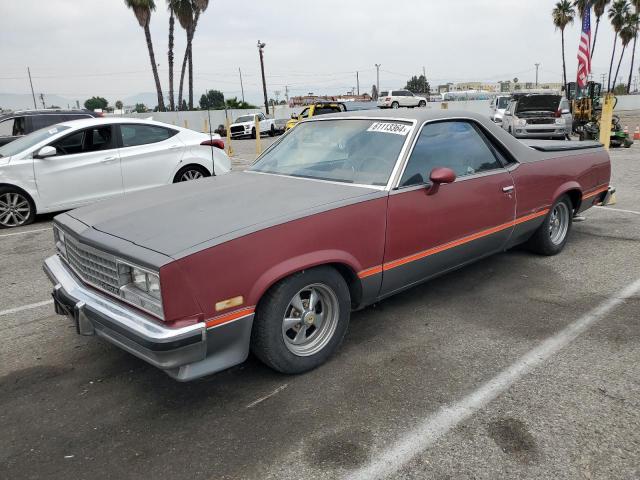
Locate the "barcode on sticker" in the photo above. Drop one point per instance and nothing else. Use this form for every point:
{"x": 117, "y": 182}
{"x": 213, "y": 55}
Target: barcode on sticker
{"x": 389, "y": 127}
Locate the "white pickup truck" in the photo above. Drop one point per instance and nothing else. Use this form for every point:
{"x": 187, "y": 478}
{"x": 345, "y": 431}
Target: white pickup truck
{"x": 244, "y": 126}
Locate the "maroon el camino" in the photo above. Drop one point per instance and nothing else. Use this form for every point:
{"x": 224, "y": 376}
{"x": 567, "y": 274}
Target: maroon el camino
{"x": 341, "y": 212}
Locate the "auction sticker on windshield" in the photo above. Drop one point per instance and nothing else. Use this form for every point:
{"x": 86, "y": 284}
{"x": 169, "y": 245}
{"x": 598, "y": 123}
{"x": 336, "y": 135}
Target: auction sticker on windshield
{"x": 390, "y": 127}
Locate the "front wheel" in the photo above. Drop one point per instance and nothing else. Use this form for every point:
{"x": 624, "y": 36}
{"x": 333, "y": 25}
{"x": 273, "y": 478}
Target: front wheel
{"x": 16, "y": 208}
{"x": 301, "y": 321}
{"x": 552, "y": 235}
{"x": 253, "y": 133}
{"x": 272, "y": 131}
{"x": 422, "y": 103}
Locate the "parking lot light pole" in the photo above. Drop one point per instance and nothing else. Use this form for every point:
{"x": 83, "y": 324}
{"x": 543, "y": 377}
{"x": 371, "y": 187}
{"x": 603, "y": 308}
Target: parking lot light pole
{"x": 261, "y": 46}
{"x": 378, "y": 65}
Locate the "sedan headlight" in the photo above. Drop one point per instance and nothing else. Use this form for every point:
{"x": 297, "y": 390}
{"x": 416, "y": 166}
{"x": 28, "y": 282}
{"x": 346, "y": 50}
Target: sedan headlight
{"x": 58, "y": 237}
{"x": 521, "y": 123}
{"x": 140, "y": 287}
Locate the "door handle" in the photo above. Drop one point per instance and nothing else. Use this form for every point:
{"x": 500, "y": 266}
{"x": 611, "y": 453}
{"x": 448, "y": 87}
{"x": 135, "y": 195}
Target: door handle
{"x": 109, "y": 159}
{"x": 507, "y": 189}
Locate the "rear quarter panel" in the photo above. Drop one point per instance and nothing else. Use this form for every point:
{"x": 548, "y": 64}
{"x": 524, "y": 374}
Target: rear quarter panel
{"x": 352, "y": 235}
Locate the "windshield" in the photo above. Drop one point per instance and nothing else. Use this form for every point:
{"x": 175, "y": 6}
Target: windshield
{"x": 344, "y": 150}
{"x": 28, "y": 141}
{"x": 246, "y": 118}
{"x": 502, "y": 102}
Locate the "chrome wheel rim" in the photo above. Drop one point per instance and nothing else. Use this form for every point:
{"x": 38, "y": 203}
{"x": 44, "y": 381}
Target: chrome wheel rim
{"x": 191, "y": 175}
{"x": 310, "y": 320}
{"x": 395, "y": 105}
{"x": 559, "y": 223}
{"x": 14, "y": 209}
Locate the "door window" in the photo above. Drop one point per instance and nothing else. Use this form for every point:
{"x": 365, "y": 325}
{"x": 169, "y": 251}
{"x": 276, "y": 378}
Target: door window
{"x": 455, "y": 145}
{"x": 133, "y": 135}
{"x": 88, "y": 140}
{"x": 14, "y": 126}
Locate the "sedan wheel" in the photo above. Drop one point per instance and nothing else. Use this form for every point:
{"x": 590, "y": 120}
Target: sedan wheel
{"x": 15, "y": 209}
{"x": 551, "y": 237}
{"x": 395, "y": 105}
{"x": 191, "y": 175}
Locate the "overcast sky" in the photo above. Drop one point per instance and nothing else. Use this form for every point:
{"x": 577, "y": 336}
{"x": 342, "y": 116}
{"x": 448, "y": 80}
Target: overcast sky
{"x": 80, "y": 48}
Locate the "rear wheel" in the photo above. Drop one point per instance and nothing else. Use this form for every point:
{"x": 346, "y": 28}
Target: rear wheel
{"x": 395, "y": 105}
{"x": 552, "y": 235}
{"x": 272, "y": 131}
{"x": 301, "y": 321}
{"x": 253, "y": 133}
{"x": 190, "y": 172}
{"x": 16, "y": 208}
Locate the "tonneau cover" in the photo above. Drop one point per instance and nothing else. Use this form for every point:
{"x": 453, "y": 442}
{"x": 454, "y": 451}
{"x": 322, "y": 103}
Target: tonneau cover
{"x": 560, "y": 145}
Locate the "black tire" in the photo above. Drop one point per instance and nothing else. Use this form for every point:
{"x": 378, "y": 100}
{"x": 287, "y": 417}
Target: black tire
{"x": 268, "y": 335}
{"x": 184, "y": 172}
{"x": 395, "y": 105}
{"x": 16, "y": 208}
{"x": 272, "y": 131}
{"x": 422, "y": 103}
{"x": 253, "y": 133}
{"x": 542, "y": 241}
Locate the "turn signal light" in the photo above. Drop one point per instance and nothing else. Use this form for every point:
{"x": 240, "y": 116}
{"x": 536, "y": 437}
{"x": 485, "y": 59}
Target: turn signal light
{"x": 214, "y": 143}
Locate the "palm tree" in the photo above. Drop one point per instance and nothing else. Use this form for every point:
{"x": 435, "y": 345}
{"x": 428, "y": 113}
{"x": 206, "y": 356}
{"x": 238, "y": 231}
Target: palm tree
{"x": 142, "y": 10}
{"x": 635, "y": 20}
{"x": 199, "y": 7}
{"x": 618, "y": 16}
{"x": 599, "y": 6}
{"x": 563, "y": 14}
{"x": 172, "y": 23}
{"x": 183, "y": 10}
{"x": 627, "y": 33}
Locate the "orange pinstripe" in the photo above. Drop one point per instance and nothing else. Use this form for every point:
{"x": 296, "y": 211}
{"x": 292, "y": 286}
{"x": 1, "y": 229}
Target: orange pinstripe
{"x": 595, "y": 192}
{"x": 440, "y": 248}
{"x": 230, "y": 317}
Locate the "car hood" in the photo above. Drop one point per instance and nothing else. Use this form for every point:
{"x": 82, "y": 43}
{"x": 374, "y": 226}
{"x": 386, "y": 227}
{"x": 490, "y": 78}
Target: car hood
{"x": 538, "y": 103}
{"x": 178, "y": 219}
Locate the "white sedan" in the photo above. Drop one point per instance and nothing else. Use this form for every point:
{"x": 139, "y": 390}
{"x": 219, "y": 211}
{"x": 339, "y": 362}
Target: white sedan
{"x": 78, "y": 162}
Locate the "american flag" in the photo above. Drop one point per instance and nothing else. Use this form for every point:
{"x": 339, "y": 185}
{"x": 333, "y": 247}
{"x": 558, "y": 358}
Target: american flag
{"x": 584, "y": 50}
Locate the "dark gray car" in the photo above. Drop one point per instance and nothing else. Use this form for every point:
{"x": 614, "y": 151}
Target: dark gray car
{"x": 14, "y": 125}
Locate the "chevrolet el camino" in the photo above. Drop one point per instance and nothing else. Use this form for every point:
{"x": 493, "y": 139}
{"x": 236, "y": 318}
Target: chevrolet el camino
{"x": 343, "y": 211}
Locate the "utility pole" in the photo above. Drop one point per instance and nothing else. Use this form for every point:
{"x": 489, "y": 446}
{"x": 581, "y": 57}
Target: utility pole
{"x": 378, "y": 65}
{"x": 241, "y": 87}
{"x": 286, "y": 93}
{"x": 358, "y": 82}
{"x": 32, "y": 94}
{"x": 424, "y": 85}
{"x": 537, "y": 66}
{"x": 42, "y": 100}
{"x": 603, "y": 77}
{"x": 261, "y": 46}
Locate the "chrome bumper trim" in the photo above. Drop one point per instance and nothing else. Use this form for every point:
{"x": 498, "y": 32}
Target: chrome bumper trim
{"x": 140, "y": 334}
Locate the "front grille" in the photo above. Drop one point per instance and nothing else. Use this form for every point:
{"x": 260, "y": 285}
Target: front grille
{"x": 541, "y": 121}
{"x": 542, "y": 130}
{"x": 93, "y": 266}
{"x": 237, "y": 129}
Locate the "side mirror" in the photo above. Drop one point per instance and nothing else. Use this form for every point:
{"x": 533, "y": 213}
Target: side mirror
{"x": 440, "y": 176}
{"x": 294, "y": 116}
{"x": 47, "y": 151}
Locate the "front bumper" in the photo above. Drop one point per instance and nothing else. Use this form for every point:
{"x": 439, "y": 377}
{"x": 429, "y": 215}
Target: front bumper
{"x": 184, "y": 353}
{"x": 540, "y": 131}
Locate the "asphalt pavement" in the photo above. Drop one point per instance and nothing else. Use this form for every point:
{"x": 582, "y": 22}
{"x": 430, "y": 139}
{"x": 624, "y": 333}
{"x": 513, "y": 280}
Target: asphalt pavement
{"x": 518, "y": 366}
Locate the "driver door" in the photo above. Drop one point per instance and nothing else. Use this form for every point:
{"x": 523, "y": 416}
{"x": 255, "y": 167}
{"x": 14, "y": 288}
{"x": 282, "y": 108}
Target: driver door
{"x": 432, "y": 231}
{"x": 86, "y": 168}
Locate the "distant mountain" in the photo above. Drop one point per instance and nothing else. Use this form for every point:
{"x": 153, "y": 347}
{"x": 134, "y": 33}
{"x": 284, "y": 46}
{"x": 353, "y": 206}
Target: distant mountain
{"x": 150, "y": 99}
{"x": 18, "y": 101}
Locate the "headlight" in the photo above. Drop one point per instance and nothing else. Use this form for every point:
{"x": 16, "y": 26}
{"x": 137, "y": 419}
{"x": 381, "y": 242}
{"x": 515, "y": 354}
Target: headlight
{"x": 560, "y": 121}
{"x": 140, "y": 287}
{"x": 58, "y": 237}
{"x": 521, "y": 123}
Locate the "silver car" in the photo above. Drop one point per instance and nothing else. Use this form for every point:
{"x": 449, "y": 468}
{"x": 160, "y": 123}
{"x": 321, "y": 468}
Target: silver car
{"x": 538, "y": 116}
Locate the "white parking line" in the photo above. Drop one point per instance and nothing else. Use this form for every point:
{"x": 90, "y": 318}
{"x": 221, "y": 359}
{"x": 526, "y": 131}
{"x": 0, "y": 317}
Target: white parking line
{"x": 25, "y": 307}
{"x": 444, "y": 420}
{"x": 25, "y": 232}
{"x": 262, "y": 399}
{"x": 619, "y": 210}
